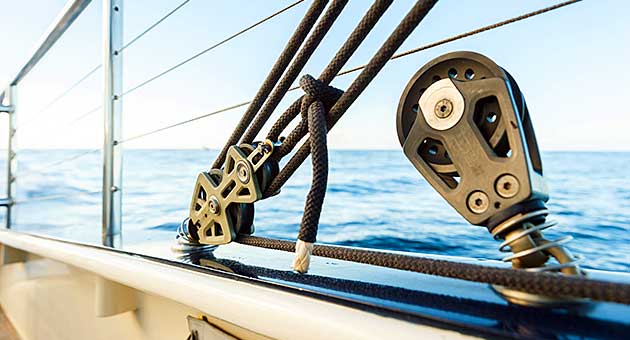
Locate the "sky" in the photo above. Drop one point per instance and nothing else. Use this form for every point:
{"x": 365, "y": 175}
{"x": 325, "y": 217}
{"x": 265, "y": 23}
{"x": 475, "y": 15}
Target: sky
{"x": 570, "y": 64}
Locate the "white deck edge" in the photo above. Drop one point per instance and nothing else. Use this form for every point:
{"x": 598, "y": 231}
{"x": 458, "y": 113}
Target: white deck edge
{"x": 274, "y": 313}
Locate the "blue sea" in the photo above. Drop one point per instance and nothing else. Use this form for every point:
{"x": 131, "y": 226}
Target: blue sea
{"x": 375, "y": 199}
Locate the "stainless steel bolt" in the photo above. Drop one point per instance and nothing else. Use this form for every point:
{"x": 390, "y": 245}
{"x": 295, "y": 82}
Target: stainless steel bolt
{"x": 507, "y": 186}
{"x": 443, "y": 108}
{"x": 478, "y": 202}
{"x": 213, "y": 205}
{"x": 242, "y": 172}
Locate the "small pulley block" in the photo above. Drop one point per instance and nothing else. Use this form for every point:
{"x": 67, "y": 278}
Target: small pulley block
{"x": 463, "y": 123}
{"x": 222, "y": 202}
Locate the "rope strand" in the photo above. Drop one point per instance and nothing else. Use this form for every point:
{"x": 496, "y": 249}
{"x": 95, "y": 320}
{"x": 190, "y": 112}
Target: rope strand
{"x": 311, "y": 44}
{"x": 298, "y": 36}
{"x": 378, "y": 61}
{"x": 531, "y": 282}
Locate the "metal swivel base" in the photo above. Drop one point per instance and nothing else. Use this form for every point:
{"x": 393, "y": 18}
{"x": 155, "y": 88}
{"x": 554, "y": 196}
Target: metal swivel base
{"x": 521, "y": 298}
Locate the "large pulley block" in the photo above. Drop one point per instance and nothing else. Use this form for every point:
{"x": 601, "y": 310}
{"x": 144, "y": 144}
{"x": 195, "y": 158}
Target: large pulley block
{"x": 222, "y": 202}
{"x": 464, "y": 124}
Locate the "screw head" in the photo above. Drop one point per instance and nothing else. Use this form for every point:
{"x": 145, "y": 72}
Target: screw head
{"x": 507, "y": 186}
{"x": 478, "y": 202}
{"x": 213, "y": 205}
{"x": 242, "y": 172}
{"x": 443, "y": 108}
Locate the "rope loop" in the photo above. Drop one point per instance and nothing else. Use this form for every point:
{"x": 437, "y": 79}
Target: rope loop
{"x": 318, "y": 90}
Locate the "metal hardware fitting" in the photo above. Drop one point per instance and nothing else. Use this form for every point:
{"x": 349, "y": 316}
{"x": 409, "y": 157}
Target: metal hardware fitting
{"x": 7, "y": 108}
{"x": 472, "y": 138}
{"x": 217, "y": 208}
{"x": 202, "y": 329}
{"x": 442, "y": 105}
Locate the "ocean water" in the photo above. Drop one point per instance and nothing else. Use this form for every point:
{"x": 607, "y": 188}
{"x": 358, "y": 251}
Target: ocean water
{"x": 375, "y": 199}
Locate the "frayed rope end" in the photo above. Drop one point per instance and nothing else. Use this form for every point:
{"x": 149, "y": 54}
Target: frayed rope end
{"x": 302, "y": 260}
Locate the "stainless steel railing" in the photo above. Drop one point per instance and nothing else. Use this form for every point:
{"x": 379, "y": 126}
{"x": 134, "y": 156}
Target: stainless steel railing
{"x": 112, "y": 34}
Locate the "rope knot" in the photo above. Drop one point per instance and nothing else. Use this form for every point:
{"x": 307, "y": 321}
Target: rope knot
{"x": 315, "y": 89}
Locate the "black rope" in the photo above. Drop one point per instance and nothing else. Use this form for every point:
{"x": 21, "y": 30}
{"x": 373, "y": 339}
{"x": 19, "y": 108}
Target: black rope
{"x": 532, "y": 282}
{"x": 358, "y": 35}
{"x": 378, "y": 61}
{"x": 314, "y": 200}
{"x": 274, "y": 75}
{"x": 311, "y": 44}
{"x": 536, "y": 318}
{"x": 329, "y": 96}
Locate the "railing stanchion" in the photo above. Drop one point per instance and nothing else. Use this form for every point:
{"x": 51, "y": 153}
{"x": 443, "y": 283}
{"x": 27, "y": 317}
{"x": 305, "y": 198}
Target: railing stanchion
{"x": 112, "y": 106}
{"x": 11, "y": 157}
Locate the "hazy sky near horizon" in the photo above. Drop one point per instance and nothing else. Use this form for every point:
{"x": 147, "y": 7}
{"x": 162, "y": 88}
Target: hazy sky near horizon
{"x": 570, "y": 63}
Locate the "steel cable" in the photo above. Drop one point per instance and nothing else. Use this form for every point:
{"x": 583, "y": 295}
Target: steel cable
{"x": 469, "y": 33}
{"x": 57, "y": 197}
{"x": 396, "y": 56}
{"x": 97, "y": 67}
{"x": 55, "y": 164}
{"x": 155, "y": 24}
{"x": 197, "y": 55}
{"x": 168, "y": 127}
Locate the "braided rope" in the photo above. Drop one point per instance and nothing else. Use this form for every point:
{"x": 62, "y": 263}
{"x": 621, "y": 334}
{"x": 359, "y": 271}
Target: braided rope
{"x": 311, "y": 44}
{"x": 374, "y": 66}
{"x": 531, "y": 282}
{"x": 305, "y": 26}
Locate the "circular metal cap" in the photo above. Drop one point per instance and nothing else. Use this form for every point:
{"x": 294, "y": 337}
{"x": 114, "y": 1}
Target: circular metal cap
{"x": 442, "y": 105}
{"x": 478, "y": 202}
{"x": 443, "y": 108}
{"x": 213, "y": 205}
{"x": 242, "y": 172}
{"x": 507, "y": 186}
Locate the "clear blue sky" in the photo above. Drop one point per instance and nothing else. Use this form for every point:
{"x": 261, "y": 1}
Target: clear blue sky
{"x": 571, "y": 65}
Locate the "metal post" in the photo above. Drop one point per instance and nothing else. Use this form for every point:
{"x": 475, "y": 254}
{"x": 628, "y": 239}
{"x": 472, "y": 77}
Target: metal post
{"x": 11, "y": 157}
{"x": 112, "y": 151}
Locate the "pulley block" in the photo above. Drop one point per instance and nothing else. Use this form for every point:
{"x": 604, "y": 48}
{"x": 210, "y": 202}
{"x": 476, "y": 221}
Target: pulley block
{"x": 464, "y": 124}
{"x": 222, "y": 203}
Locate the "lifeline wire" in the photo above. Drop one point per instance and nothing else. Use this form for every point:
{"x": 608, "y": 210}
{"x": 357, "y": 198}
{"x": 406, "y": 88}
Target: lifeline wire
{"x": 182, "y": 63}
{"x": 470, "y": 33}
{"x": 57, "y": 197}
{"x": 96, "y": 68}
{"x": 55, "y": 164}
{"x": 155, "y": 24}
{"x": 396, "y": 56}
